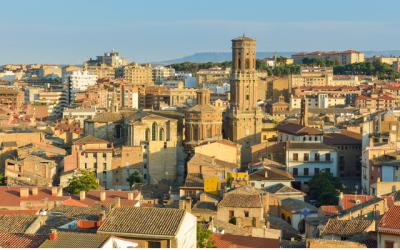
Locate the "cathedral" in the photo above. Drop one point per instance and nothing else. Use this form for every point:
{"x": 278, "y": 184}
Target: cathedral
{"x": 243, "y": 119}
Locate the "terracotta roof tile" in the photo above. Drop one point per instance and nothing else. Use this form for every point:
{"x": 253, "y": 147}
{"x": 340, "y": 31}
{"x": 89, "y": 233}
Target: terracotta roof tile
{"x": 16, "y": 223}
{"x": 76, "y": 240}
{"x": 238, "y": 241}
{"x": 350, "y": 200}
{"x": 346, "y": 227}
{"x": 143, "y": 221}
{"x": 245, "y": 197}
{"x": 19, "y": 240}
{"x": 297, "y": 129}
{"x": 390, "y": 222}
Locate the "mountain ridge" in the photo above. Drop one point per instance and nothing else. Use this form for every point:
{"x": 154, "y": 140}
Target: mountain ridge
{"x": 203, "y": 57}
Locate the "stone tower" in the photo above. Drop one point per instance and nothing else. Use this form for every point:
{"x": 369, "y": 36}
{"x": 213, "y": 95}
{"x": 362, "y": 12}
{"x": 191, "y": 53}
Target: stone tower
{"x": 243, "y": 120}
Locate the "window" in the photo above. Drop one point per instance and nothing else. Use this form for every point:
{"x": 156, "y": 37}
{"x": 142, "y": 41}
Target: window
{"x": 104, "y": 155}
{"x": 389, "y": 244}
{"x": 246, "y": 213}
{"x": 316, "y": 171}
{"x": 341, "y": 159}
{"x": 295, "y": 172}
{"x": 154, "y": 131}
{"x": 247, "y": 97}
{"x": 316, "y": 156}
{"x": 305, "y": 171}
{"x": 231, "y": 213}
{"x": 315, "y": 138}
{"x": 147, "y": 134}
{"x": 161, "y": 136}
{"x": 154, "y": 244}
{"x": 295, "y": 156}
{"x": 327, "y": 156}
{"x": 306, "y": 157}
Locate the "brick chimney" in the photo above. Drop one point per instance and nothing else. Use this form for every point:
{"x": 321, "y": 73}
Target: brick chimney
{"x": 130, "y": 196}
{"x": 53, "y": 234}
{"x": 23, "y": 192}
{"x": 60, "y": 192}
{"x": 82, "y": 195}
{"x": 54, "y": 191}
{"x": 35, "y": 191}
{"x": 102, "y": 195}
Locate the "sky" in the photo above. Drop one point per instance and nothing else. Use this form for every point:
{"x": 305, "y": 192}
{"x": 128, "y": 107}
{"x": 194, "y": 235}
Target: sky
{"x": 72, "y": 31}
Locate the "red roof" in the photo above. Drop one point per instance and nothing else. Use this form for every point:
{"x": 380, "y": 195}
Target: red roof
{"x": 238, "y": 241}
{"x": 13, "y": 240}
{"x": 93, "y": 197}
{"x": 10, "y": 196}
{"x": 350, "y": 200}
{"x": 331, "y": 210}
{"x": 390, "y": 222}
{"x": 17, "y": 212}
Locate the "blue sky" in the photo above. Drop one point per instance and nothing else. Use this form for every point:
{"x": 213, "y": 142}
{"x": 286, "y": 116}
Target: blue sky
{"x": 71, "y": 31}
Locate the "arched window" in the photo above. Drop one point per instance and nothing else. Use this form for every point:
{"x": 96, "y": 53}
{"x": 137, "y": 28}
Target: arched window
{"x": 154, "y": 131}
{"x": 195, "y": 133}
{"x": 147, "y": 134}
{"x": 168, "y": 131}
{"x": 247, "y": 63}
{"x": 209, "y": 131}
{"x": 161, "y": 136}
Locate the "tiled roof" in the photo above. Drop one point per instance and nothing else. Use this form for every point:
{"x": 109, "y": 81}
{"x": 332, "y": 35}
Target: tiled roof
{"x": 280, "y": 188}
{"x": 270, "y": 173}
{"x": 16, "y": 223}
{"x": 143, "y": 221}
{"x": 202, "y": 108}
{"x": 243, "y": 38}
{"x": 360, "y": 206}
{"x": 245, "y": 197}
{"x": 204, "y": 206}
{"x": 350, "y": 200}
{"x": 201, "y": 159}
{"x": 342, "y": 138}
{"x": 390, "y": 222}
{"x": 324, "y": 243}
{"x": 330, "y": 209}
{"x": 19, "y": 240}
{"x": 297, "y": 129}
{"x": 296, "y": 206}
{"x": 10, "y": 196}
{"x": 76, "y": 240}
{"x": 194, "y": 180}
{"x": 89, "y": 139}
{"x": 93, "y": 198}
{"x": 346, "y": 227}
{"x": 238, "y": 241}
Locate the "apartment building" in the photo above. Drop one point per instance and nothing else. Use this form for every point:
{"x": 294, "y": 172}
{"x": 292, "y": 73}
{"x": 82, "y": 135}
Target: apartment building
{"x": 11, "y": 98}
{"x": 162, "y": 73}
{"x": 341, "y": 57}
{"x": 79, "y": 81}
{"x": 136, "y": 74}
{"x": 375, "y": 102}
{"x": 212, "y": 75}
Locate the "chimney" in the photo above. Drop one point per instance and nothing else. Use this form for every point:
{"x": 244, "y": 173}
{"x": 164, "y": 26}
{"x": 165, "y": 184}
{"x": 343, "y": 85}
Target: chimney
{"x": 102, "y": 216}
{"x": 53, "y": 234}
{"x": 82, "y": 195}
{"x": 117, "y": 202}
{"x": 102, "y": 195}
{"x": 130, "y": 196}
{"x": 54, "y": 191}
{"x": 35, "y": 191}
{"x": 59, "y": 192}
{"x": 24, "y": 192}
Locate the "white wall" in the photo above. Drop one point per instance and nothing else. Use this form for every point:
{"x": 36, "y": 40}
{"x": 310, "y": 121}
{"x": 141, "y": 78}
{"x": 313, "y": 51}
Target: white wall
{"x": 187, "y": 232}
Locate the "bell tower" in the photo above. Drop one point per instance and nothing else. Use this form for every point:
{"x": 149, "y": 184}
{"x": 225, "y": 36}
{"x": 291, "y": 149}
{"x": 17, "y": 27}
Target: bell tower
{"x": 243, "y": 118}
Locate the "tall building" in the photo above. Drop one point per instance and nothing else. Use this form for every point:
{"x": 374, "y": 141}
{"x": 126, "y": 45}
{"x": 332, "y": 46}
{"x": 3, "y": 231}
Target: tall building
{"x": 161, "y": 73}
{"x": 243, "y": 121}
{"x": 79, "y": 81}
{"x": 136, "y": 74}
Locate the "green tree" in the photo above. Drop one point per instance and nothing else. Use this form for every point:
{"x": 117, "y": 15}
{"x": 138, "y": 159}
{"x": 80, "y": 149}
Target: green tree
{"x": 85, "y": 182}
{"x": 204, "y": 239}
{"x": 133, "y": 178}
{"x": 324, "y": 188}
{"x": 2, "y": 180}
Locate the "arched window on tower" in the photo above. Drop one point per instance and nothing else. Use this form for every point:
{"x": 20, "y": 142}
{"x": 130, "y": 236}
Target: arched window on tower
{"x": 239, "y": 63}
{"x": 209, "y": 131}
{"x": 154, "y": 131}
{"x": 147, "y": 134}
{"x": 161, "y": 135}
{"x": 247, "y": 63}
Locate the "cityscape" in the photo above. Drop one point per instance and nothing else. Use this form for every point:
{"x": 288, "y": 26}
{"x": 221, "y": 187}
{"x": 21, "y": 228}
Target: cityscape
{"x": 240, "y": 148}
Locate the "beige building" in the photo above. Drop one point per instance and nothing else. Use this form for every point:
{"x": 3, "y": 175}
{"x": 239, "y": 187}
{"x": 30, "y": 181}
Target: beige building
{"x": 126, "y": 162}
{"x": 212, "y": 75}
{"x": 341, "y": 57}
{"x": 385, "y": 59}
{"x": 30, "y": 170}
{"x": 231, "y": 151}
{"x": 158, "y": 137}
{"x": 243, "y": 121}
{"x": 203, "y": 122}
{"x": 102, "y": 70}
{"x": 136, "y": 74}
{"x": 311, "y": 76}
{"x": 181, "y": 96}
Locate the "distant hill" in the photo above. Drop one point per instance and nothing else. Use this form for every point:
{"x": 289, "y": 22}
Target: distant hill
{"x": 204, "y": 57}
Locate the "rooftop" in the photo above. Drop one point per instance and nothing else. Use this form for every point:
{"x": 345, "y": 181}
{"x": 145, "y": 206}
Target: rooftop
{"x": 346, "y": 227}
{"x": 297, "y": 129}
{"x": 245, "y": 197}
{"x": 19, "y": 240}
{"x": 143, "y": 221}
{"x": 238, "y": 241}
{"x": 76, "y": 240}
{"x": 296, "y": 206}
{"x": 390, "y": 222}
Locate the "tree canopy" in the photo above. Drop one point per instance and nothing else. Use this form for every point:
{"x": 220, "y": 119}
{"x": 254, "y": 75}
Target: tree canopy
{"x": 85, "y": 182}
{"x": 133, "y": 178}
{"x": 204, "y": 239}
{"x": 324, "y": 188}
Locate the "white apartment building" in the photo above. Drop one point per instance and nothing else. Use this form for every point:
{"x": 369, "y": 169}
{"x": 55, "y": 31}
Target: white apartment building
{"x": 80, "y": 114}
{"x": 79, "y": 81}
{"x": 161, "y": 73}
{"x": 318, "y": 101}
